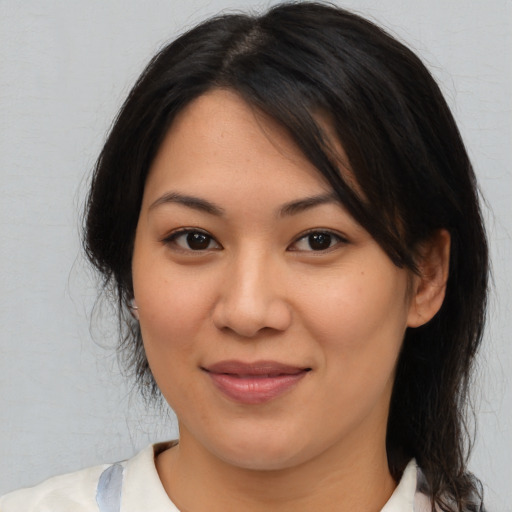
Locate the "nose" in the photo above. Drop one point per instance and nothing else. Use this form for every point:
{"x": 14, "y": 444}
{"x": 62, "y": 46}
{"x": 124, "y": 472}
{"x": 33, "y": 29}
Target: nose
{"x": 252, "y": 298}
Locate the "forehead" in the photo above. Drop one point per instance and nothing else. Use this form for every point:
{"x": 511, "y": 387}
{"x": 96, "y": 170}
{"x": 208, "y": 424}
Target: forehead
{"x": 219, "y": 140}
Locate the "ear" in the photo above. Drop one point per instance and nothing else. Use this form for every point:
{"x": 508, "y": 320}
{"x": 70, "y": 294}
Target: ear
{"x": 134, "y": 310}
{"x": 429, "y": 287}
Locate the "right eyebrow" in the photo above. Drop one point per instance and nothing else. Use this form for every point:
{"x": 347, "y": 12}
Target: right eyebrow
{"x": 196, "y": 203}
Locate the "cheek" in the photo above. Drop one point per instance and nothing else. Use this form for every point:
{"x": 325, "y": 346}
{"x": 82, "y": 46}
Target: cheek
{"x": 357, "y": 307}
{"x": 359, "y": 333}
{"x": 170, "y": 317}
{"x": 359, "y": 323}
{"x": 171, "y": 308}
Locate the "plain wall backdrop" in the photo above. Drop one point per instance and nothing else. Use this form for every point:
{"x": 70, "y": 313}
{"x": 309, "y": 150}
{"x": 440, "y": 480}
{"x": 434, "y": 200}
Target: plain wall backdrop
{"x": 65, "y": 67}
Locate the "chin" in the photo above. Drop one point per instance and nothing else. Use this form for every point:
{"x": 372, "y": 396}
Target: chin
{"x": 262, "y": 454}
{"x": 261, "y": 462}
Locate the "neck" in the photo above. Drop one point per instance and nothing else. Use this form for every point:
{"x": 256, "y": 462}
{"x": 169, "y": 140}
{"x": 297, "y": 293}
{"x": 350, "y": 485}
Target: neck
{"x": 340, "y": 480}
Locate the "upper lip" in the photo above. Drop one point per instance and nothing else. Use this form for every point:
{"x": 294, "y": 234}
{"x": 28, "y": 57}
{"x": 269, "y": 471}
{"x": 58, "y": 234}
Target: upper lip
{"x": 256, "y": 368}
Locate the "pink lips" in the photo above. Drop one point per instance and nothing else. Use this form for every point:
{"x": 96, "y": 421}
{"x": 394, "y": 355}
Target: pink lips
{"x": 254, "y": 383}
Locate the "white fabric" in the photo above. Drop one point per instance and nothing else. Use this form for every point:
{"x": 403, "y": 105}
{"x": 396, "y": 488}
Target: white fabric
{"x": 143, "y": 491}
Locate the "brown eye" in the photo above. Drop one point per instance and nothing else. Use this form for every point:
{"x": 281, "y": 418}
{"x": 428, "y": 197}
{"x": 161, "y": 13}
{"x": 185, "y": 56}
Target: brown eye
{"x": 192, "y": 240}
{"x": 317, "y": 241}
{"x": 198, "y": 241}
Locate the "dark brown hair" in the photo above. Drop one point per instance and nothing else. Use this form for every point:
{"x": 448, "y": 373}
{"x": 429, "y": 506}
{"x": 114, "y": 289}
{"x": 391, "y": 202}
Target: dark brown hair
{"x": 406, "y": 154}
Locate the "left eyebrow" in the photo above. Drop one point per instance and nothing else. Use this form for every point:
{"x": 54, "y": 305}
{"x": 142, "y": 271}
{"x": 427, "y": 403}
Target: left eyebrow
{"x": 300, "y": 205}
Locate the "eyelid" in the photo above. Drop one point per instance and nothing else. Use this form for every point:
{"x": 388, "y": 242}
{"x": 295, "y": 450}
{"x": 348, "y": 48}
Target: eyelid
{"x": 171, "y": 237}
{"x": 342, "y": 239}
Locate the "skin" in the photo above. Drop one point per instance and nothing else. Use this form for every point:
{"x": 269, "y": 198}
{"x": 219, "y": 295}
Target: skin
{"x": 255, "y": 290}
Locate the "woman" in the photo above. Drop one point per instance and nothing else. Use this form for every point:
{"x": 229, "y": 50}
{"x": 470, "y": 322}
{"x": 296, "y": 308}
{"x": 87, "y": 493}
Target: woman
{"x": 289, "y": 219}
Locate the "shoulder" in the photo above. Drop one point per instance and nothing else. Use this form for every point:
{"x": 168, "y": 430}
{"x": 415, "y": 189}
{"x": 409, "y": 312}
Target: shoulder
{"x": 73, "y": 491}
{"x": 131, "y": 486}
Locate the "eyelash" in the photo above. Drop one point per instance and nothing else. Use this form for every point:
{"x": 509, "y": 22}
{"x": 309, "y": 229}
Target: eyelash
{"x": 335, "y": 237}
{"x": 331, "y": 237}
{"x": 173, "y": 237}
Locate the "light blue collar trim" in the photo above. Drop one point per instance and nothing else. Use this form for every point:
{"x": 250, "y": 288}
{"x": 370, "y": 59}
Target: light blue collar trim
{"x": 108, "y": 492}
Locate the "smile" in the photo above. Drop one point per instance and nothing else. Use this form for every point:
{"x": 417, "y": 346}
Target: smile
{"x": 254, "y": 383}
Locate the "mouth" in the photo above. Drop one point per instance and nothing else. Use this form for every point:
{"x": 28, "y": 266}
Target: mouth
{"x": 254, "y": 383}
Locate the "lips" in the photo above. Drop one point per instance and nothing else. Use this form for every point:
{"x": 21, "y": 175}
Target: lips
{"x": 254, "y": 383}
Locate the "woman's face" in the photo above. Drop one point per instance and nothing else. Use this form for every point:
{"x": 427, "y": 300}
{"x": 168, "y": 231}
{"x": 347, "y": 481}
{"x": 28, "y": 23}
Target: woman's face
{"x": 272, "y": 321}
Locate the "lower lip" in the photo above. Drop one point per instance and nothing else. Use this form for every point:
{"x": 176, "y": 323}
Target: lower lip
{"x": 255, "y": 390}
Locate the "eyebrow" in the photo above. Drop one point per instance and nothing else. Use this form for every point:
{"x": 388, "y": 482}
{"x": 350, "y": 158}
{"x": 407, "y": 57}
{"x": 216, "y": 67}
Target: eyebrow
{"x": 197, "y": 203}
{"x": 295, "y": 207}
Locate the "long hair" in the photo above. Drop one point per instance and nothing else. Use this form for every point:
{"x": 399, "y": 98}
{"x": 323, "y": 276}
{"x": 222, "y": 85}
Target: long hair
{"x": 296, "y": 62}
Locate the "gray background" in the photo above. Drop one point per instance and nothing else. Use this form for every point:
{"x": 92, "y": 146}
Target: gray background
{"x": 65, "y": 67}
